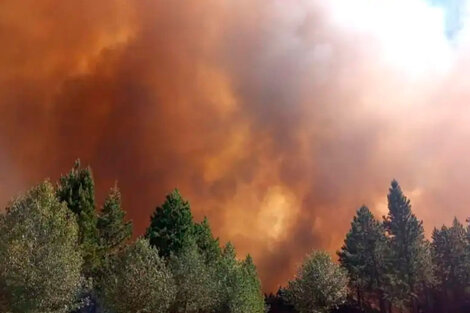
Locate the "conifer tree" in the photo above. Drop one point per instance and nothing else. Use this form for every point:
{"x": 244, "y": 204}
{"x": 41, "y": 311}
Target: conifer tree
{"x": 363, "y": 255}
{"x": 254, "y": 299}
{"x": 77, "y": 190}
{"x": 171, "y": 225}
{"x": 449, "y": 251}
{"x": 207, "y": 278}
{"x": 208, "y": 245}
{"x": 239, "y": 287}
{"x": 227, "y": 280}
{"x": 113, "y": 230}
{"x": 411, "y": 268}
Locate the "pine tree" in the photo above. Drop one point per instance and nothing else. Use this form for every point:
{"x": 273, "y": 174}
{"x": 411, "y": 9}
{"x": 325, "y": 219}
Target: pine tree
{"x": 451, "y": 259}
{"x": 363, "y": 255}
{"x": 254, "y": 299}
{"x": 208, "y": 245}
{"x": 171, "y": 225}
{"x": 412, "y": 270}
{"x": 113, "y": 230}
{"x": 77, "y": 190}
{"x": 239, "y": 288}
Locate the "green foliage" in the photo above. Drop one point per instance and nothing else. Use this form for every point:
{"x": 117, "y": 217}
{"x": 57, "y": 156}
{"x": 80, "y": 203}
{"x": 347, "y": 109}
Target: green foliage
{"x": 320, "y": 285}
{"x": 364, "y": 254}
{"x": 77, "y": 190}
{"x": 207, "y": 244}
{"x": 252, "y": 294}
{"x": 50, "y": 239}
{"x": 41, "y": 262}
{"x": 113, "y": 230}
{"x": 411, "y": 265}
{"x": 171, "y": 225}
{"x": 239, "y": 287}
{"x": 137, "y": 281}
{"x": 208, "y": 279}
{"x": 196, "y": 285}
{"x": 449, "y": 251}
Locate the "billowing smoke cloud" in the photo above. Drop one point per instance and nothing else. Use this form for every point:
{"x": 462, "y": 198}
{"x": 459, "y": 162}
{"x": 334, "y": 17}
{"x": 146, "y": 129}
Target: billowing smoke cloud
{"x": 277, "y": 119}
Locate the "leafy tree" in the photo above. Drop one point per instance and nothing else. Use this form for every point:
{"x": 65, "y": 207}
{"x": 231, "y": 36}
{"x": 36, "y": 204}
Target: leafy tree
{"x": 196, "y": 285}
{"x": 113, "y": 230}
{"x": 77, "y": 190}
{"x": 41, "y": 262}
{"x": 412, "y": 270}
{"x": 137, "y": 281}
{"x": 449, "y": 251}
{"x": 171, "y": 225}
{"x": 319, "y": 286}
{"x": 363, "y": 255}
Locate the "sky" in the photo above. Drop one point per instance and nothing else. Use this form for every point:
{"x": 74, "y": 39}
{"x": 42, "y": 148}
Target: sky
{"x": 276, "y": 119}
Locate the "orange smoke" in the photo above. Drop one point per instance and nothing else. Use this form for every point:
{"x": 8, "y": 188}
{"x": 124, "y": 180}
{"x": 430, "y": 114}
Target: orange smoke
{"x": 272, "y": 119}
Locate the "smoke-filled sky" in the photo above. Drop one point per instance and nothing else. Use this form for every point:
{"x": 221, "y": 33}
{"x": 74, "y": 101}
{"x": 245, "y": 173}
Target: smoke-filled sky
{"x": 277, "y": 119}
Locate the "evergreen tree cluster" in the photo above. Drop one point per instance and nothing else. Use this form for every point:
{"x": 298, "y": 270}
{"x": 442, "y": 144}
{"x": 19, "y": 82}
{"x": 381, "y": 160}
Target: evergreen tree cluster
{"x": 59, "y": 254}
{"x": 390, "y": 267}
{"x": 393, "y": 267}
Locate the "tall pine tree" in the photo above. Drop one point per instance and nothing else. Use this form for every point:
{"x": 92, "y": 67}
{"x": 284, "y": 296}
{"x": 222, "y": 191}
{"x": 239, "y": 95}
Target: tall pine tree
{"x": 114, "y": 231}
{"x": 411, "y": 270}
{"x": 363, "y": 255}
{"x": 171, "y": 225}
{"x": 77, "y": 190}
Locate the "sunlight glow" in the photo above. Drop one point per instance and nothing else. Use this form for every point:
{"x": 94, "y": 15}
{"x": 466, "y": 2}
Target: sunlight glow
{"x": 411, "y": 33}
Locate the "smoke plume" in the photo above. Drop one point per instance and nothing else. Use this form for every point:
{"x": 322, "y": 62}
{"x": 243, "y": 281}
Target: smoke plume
{"x": 276, "y": 119}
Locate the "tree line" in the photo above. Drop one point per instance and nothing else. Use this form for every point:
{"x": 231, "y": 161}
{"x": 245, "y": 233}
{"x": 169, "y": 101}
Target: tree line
{"x": 58, "y": 254}
{"x": 385, "y": 266}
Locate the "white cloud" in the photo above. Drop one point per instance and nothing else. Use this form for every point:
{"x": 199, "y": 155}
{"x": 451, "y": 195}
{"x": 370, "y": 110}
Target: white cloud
{"x": 410, "y": 33}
